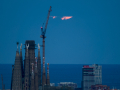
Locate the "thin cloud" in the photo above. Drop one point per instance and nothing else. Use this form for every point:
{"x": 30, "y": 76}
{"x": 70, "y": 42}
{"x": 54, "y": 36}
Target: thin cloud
{"x": 53, "y": 17}
{"x": 66, "y": 17}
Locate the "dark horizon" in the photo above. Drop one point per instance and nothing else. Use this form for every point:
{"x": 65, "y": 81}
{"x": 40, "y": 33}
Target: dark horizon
{"x": 110, "y": 74}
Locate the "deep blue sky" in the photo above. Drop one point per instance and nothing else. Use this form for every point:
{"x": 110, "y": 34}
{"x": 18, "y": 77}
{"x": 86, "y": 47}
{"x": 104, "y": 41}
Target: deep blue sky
{"x": 92, "y": 35}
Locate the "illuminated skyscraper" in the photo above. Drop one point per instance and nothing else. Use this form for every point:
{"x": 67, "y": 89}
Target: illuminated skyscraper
{"x": 91, "y": 75}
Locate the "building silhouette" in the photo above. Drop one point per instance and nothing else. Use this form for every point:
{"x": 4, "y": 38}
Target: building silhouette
{"x": 100, "y": 87}
{"x": 17, "y": 73}
{"x": 98, "y": 73}
{"x": 29, "y": 77}
{"x": 26, "y": 74}
{"x": 91, "y": 75}
{"x": 87, "y": 77}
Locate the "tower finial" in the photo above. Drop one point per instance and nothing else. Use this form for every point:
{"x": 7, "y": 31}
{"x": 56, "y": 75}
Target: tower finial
{"x": 27, "y": 46}
{"x": 17, "y": 45}
{"x": 38, "y": 46}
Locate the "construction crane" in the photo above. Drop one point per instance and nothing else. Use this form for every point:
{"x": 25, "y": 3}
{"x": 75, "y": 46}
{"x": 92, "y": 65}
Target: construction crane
{"x": 43, "y": 31}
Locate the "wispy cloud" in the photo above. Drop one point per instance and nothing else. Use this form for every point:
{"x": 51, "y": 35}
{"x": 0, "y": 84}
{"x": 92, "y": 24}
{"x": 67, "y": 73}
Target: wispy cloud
{"x": 66, "y": 17}
{"x": 63, "y": 18}
{"x": 53, "y": 17}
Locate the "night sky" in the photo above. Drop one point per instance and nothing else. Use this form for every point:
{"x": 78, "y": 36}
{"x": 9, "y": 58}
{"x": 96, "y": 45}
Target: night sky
{"x": 91, "y": 35}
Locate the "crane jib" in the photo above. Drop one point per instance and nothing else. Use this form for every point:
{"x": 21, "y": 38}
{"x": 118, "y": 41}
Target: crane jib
{"x": 44, "y": 31}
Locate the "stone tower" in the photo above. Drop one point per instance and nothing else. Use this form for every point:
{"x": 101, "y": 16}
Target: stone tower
{"x": 31, "y": 52}
{"x": 21, "y": 60}
{"x": 29, "y": 77}
{"x": 12, "y": 76}
{"x": 39, "y": 66}
{"x": 36, "y": 75}
{"x": 32, "y": 86}
{"x": 17, "y": 73}
{"x": 29, "y": 59}
{"x": 26, "y": 69}
{"x": 48, "y": 79}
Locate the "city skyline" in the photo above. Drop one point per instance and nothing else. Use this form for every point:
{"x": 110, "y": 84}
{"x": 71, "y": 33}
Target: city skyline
{"x": 87, "y": 34}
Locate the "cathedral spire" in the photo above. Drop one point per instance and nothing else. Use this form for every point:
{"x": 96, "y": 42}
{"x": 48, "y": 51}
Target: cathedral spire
{"x": 36, "y": 71}
{"x": 32, "y": 78}
{"x": 17, "y": 52}
{"x": 21, "y": 60}
{"x": 17, "y": 45}
{"x": 26, "y": 69}
{"x": 39, "y": 66}
{"x": 17, "y": 73}
{"x": 36, "y": 75}
{"x": 48, "y": 79}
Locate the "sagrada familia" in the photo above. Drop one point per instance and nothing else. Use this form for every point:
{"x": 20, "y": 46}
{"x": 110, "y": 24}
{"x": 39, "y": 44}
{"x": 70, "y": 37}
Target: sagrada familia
{"x": 26, "y": 74}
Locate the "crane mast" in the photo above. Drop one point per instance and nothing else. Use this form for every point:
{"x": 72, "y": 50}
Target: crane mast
{"x": 43, "y": 36}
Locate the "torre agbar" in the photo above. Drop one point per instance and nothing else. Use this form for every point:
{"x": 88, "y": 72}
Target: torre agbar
{"x": 26, "y": 74}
